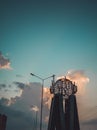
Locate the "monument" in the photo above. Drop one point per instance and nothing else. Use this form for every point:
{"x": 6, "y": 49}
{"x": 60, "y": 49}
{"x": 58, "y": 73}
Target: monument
{"x": 63, "y": 110}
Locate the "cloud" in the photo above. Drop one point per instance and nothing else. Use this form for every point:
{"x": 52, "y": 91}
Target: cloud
{"x": 4, "y": 101}
{"x": 20, "y": 85}
{"x": 19, "y": 76}
{"x": 7, "y": 102}
{"x": 18, "y": 109}
{"x": 75, "y": 75}
{"x": 30, "y": 95}
{"x": 4, "y": 62}
{"x": 80, "y": 79}
{"x": 34, "y": 108}
{"x": 2, "y": 86}
{"x": 5, "y": 87}
{"x": 47, "y": 97}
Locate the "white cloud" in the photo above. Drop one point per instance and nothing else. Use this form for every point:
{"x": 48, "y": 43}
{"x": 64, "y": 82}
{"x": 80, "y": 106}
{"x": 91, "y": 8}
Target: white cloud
{"x": 4, "y": 62}
{"x": 34, "y": 108}
{"x": 80, "y": 79}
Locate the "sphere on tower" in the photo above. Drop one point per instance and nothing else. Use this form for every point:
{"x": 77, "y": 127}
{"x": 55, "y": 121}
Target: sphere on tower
{"x": 64, "y": 87}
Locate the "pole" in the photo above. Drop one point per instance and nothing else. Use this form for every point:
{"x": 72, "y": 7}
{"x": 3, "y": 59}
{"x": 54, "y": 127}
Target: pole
{"x": 36, "y": 119}
{"x": 41, "y": 104}
{"x": 42, "y": 95}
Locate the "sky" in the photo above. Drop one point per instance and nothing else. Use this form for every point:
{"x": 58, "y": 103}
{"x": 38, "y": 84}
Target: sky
{"x": 47, "y": 37}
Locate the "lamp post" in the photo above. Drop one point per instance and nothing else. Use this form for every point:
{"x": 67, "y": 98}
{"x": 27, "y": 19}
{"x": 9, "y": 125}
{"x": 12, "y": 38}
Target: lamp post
{"x": 42, "y": 79}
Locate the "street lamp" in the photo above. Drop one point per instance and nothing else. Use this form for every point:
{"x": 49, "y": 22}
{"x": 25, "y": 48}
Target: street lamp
{"x": 42, "y": 79}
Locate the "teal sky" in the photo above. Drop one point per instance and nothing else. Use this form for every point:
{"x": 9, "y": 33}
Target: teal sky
{"x": 48, "y": 37}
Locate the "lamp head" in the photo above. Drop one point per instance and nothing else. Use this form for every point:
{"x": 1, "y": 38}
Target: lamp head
{"x": 31, "y": 74}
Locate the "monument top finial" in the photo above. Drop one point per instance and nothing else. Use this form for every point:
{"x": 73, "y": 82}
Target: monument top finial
{"x": 64, "y": 87}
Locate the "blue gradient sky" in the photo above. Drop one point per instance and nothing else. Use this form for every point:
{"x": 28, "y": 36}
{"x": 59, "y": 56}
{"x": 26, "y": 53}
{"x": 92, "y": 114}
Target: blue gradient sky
{"x": 48, "y": 37}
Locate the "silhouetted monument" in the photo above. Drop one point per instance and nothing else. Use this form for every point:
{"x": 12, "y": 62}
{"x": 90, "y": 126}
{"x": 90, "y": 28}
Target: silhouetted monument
{"x": 63, "y": 111}
{"x": 3, "y": 119}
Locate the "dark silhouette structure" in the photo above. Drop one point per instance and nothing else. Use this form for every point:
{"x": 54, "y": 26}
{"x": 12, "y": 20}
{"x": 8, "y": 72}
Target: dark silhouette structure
{"x": 3, "y": 119}
{"x": 63, "y": 111}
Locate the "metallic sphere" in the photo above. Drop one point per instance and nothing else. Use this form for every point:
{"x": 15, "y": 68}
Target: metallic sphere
{"x": 64, "y": 87}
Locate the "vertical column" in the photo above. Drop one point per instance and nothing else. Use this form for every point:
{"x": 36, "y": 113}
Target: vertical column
{"x": 73, "y": 114}
{"x": 57, "y": 119}
{"x": 51, "y": 123}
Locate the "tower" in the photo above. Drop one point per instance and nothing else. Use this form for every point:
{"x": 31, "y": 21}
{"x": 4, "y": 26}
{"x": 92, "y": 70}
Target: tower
{"x": 3, "y": 119}
{"x": 63, "y": 111}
